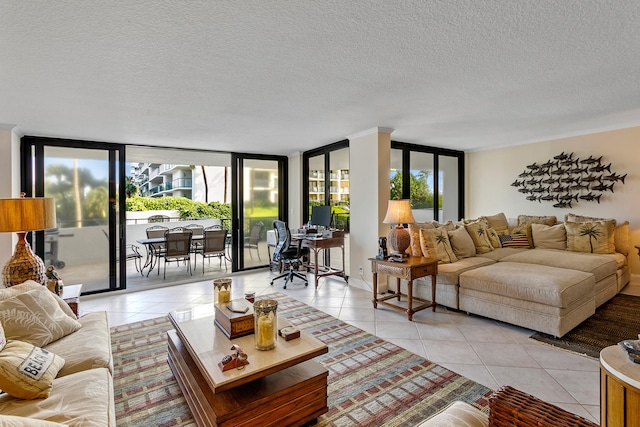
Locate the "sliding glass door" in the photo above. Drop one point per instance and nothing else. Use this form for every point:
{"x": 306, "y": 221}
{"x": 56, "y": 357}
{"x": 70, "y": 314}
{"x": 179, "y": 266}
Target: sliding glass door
{"x": 82, "y": 178}
{"x": 260, "y": 197}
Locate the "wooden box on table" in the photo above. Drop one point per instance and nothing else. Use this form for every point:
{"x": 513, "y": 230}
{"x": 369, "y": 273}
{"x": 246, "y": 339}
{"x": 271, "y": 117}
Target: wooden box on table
{"x": 233, "y": 324}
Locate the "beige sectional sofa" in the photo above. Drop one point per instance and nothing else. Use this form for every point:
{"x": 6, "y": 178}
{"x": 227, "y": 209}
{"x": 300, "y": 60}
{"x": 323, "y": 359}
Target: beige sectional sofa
{"x": 544, "y": 278}
{"x": 82, "y": 392}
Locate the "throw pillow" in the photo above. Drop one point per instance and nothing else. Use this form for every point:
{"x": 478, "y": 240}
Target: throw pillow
{"x": 3, "y": 339}
{"x": 462, "y": 243}
{"x": 517, "y": 240}
{"x": 30, "y": 285}
{"x": 27, "y": 371}
{"x": 526, "y": 230}
{"x": 17, "y": 421}
{"x": 498, "y": 222}
{"x": 35, "y": 317}
{"x": 414, "y": 233}
{"x": 530, "y": 219}
{"x": 435, "y": 244}
{"x": 591, "y": 237}
{"x": 621, "y": 238}
{"x": 549, "y": 237}
{"x": 493, "y": 237}
{"x": 478, "y": 232}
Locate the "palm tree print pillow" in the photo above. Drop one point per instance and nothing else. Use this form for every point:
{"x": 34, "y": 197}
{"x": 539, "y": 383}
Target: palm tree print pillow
{"x": 435, "y": 244}
{"x": 595, "y": 237}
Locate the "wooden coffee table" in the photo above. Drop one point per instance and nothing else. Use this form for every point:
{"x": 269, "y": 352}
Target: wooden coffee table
{"x": 279, "y": 387}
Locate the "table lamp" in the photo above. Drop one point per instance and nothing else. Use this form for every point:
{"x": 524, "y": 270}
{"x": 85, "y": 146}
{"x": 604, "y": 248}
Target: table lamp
{"x": 399, "y": 212}
{"x": 23, "y": 215}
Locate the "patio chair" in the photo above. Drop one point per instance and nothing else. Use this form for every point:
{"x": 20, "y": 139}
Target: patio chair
{"x": 178, "y": 248}
{"x": 213, "y": 245}
{"x": 155, "y": 249}
{"x": 196, "y": 237}
{"x": 252, "y": 241}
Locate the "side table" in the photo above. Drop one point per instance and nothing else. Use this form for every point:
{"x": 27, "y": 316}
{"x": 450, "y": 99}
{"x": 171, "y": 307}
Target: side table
{"x": 412, "y": 268}
{"x": 619, "y": 389}
{"x": 71, "y": 295}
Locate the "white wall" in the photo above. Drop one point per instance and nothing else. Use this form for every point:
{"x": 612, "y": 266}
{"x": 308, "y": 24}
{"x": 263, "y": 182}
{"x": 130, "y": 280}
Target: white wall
{"x": 9, "y": 181}
{"x": 369, "y": 157}
{"x": 490, "y": 173}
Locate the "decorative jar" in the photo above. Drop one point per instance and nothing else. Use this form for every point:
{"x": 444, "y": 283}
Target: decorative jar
{"x": 266, "y": 324}
{"x": 250, "y": 296}
{"x": 222, "y": 290}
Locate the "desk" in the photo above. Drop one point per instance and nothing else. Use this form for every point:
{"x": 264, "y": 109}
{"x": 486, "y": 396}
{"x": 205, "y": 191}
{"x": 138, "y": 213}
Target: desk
{"x": 315, "y": 244}
{"x": 413, "y": 268}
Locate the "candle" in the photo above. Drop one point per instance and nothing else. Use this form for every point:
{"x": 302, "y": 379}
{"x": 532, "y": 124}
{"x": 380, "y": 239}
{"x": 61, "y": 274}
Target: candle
{"x": 224, "y": 296}
{"x": 266, "y": 324}
{"x": 265, "y": 332}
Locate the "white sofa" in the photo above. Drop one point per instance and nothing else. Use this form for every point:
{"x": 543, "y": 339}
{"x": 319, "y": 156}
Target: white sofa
{"x": 82, "y": 392}
{"x": 546, "y": 287}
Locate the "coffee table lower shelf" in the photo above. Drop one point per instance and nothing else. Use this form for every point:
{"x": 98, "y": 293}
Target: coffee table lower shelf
{"x": 291, "y": 397}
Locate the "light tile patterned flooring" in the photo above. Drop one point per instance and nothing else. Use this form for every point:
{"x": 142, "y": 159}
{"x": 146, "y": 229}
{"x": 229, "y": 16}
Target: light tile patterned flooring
{"x": 486, "y": 351}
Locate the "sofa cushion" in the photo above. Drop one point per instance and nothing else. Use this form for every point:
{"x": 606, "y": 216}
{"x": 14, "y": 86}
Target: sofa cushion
{"x": 549, "y": 236}
{"x": 27, "y": 371}
{"x": 534, "y": 219}
{"x": 552, "y": 286}
{"x": 478, "y": 232}
{"x": 435, "y": 244}
{"x": 3, "y": 338}
{"x": 83, "y": 399}
{"x": 600, "y": 266}
{"x": 35, "y": 317}
{"x": 458, "y": 414}
{"x": 594, "y": 237}
{"x": 462, "y": 243}
{"x": 500, "y": 253}
{"x": 494, "y": 237}
{"x": 87, "y": 348}
{"x": 498, "y": 222}
{"x": 448, "y": 274}
{"x": 414, "y": 233}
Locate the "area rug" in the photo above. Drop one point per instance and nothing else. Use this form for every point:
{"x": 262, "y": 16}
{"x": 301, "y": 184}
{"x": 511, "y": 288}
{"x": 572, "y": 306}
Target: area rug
{"x": 371, "y": 381}
{"x": 614, "y": 321}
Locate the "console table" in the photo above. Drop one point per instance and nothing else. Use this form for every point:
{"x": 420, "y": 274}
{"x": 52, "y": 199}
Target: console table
{"x": 619, "y": 389}
{"x": 412, "y": 268}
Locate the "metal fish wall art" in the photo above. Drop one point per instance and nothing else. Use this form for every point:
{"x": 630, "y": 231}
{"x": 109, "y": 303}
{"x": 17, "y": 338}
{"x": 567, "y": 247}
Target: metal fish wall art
{"x": 567, "y": 179}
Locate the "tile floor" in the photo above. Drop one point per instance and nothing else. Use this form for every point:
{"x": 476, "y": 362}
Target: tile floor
{"x": 484, "y": 350}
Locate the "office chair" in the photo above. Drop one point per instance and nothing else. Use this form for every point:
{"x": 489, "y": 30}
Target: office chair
{"x": 288, "y": 254}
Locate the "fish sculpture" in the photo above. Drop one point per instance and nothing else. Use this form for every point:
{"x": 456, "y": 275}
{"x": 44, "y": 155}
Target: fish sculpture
{"x": 548, "y": 164}
{"x": 550, "y": 180}
{"x": 614, "y": 177}
{"x": 590, "y": 197}
{"x": 570, "y": 179}
{"x": 562, "y": 205}
{"x": 566, "y": 197}
{"x": 557, "y": 172}
{"x": 533, "y": 182}
{"x": 534, "y": 166}
{"x": 540, "y": 172}
{"x": 591, "y": 160}
{"x": 524, "y": 190}
{"x": 540, "y": 190}
{"x": 603, "y": 187}
{"x": 517, "y": 183}
{"x": 532, "y": 198}
{"x": 548, "y": 197}
{"x": 579, "y": 186}
{"x": 568, "y": 162}
{"x": 559, "y": 189}
{"x": 578, "y": 170}
{"x": 524, "y": 174}
{"x": 563, "y": 156}
{"x": 601, "y": 168}
{"x": 591, "y": 178}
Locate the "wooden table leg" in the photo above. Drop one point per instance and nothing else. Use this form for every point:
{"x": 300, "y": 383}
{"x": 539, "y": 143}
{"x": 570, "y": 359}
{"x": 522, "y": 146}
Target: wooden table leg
{"x": 316, "y": 267}
{"x": 398, "y": 288}
{"x": 433, "y": 292}
{"x": 409, "y": 299}
{"x": 375, "y": 289}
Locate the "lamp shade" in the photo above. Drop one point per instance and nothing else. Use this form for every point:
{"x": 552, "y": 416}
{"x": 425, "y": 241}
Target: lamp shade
{"x": 23, "y": 215}
{"x": 27, "y": 214}
{"x": 399, "y": 212}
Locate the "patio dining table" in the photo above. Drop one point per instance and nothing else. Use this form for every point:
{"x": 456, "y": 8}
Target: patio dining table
{"x": 151, "y": 243}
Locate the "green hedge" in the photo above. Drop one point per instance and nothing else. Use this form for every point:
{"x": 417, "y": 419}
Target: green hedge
{"x": 187, "y": 208}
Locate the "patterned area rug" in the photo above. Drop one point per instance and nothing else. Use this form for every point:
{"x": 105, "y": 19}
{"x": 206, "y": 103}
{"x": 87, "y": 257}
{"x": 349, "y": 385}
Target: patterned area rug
{"x": 371, "y": 381}
{"x": 614, "y": 321}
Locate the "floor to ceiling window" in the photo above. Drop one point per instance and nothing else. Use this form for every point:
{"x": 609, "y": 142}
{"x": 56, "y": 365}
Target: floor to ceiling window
{"x": 432, "y": 178}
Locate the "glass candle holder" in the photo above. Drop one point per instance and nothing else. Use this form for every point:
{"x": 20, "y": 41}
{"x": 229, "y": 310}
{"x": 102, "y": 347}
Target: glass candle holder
{"x": 266, "y": 324}
{"x": 221, "y": 290}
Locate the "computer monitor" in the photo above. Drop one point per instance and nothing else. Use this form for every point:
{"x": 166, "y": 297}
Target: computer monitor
{"x": 321, "y": 216}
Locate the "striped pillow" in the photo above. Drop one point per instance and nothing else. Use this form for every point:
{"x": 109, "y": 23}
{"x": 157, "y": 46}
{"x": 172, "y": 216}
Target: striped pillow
{"x": 518, "y": 240}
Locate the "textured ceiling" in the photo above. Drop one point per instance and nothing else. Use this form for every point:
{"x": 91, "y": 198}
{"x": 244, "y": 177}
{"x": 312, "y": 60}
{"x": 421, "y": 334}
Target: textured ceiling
{"x": 281, "y": 76}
